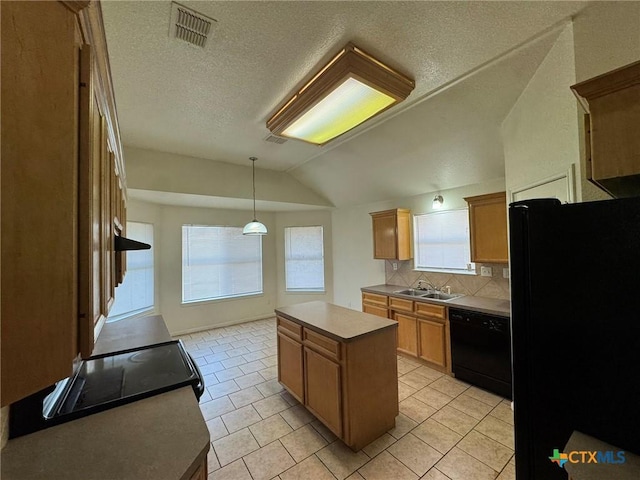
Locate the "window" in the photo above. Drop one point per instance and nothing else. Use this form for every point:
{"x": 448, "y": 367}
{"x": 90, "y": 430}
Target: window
{"x": 304, "y": 259}
{"x": 442, "y": 241}
{"x": 219, "y": 262}
{"x": 135, "y": 294}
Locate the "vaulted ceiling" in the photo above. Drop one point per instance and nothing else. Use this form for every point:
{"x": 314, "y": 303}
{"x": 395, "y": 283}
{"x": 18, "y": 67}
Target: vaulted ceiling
{"x": 470, "y": 62}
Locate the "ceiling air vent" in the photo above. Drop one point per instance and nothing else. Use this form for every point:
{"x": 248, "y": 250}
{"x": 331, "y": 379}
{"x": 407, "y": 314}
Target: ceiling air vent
{"x": 189, "y": 26}
{"x": 275, "y": 139}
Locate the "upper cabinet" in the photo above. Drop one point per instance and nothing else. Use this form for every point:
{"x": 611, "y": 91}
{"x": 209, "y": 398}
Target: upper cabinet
{"x": 613, "y": 143}
{"x": 392, "y": 234}
{"x": 63, "y": 190}
{"x": 488, "y": 228}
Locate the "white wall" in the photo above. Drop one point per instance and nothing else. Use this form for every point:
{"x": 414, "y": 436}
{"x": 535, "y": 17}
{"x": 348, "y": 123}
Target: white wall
{"x": 540, "y": 134}
{"x": 354, "y": 266}
{"x": 304, "y": 219}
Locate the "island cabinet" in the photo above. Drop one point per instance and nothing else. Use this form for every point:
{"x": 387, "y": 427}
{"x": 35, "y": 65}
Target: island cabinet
{"x": 341, "y": 365}
{"x": 392, "y": 234}
{"x": 488, "y": 228}
{"x": 63, "y": 190}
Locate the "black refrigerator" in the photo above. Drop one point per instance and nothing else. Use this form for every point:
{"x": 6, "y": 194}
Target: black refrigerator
{"x": 575, "y": 322}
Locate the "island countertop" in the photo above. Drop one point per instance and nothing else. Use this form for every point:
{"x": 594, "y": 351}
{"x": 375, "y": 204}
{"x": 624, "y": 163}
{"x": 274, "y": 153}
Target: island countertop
{"x": 163, "y": 437}
{"x": 342, "y": 324}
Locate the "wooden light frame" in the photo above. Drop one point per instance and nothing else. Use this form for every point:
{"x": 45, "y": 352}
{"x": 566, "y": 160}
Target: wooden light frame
{"x": 350, "y": 62}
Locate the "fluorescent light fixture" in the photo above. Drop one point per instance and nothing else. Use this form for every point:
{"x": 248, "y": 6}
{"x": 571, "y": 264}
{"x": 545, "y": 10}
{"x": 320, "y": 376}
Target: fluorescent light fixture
{"x": 346, "y": 92}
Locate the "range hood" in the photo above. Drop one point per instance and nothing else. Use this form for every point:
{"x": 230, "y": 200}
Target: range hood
{"x": 122, "y": 244}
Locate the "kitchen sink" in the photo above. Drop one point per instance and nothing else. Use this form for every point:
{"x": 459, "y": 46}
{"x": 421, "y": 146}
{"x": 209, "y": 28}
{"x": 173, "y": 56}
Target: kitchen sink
{"x": 440, "y": 296}
{"x": 411, "y": 291}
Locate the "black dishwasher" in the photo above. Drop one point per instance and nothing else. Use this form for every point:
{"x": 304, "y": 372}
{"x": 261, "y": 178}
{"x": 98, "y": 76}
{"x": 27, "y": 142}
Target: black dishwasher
{"x": 481, "y": 350}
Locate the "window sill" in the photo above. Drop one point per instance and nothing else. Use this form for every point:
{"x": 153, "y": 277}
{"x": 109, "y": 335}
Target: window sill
{"x": 445, "y": 270}
{"x": 305, "y": 292}
{"x": 195, "y": 303}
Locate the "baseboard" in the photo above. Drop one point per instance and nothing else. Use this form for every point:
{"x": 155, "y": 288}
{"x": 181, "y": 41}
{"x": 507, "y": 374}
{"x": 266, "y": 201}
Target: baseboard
{"x": 220, "y": 325}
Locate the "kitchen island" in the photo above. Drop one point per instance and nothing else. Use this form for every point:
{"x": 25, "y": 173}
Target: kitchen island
{"x": 341, "y": 365}
{"x": 160, "y": 437}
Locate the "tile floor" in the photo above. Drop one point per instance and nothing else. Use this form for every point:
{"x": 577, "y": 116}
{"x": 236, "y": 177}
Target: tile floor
{"x": 446, "y": 429}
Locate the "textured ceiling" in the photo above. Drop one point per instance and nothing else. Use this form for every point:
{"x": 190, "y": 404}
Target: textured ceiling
{"x": 213, "y": 103}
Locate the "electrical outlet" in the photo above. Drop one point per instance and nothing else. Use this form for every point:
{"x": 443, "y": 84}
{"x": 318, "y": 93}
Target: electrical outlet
{"x": 505, "y": 273}
{"x": 486, "y": 271}
{"x": 395, "y": 266}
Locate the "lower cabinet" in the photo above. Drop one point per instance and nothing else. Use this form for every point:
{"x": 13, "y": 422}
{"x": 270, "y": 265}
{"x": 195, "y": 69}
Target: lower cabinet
{"x": 431, "y": 336}
{"x": 351, "y": 391}
{"x": 375, "y": 304}
{"x": 407, "y": 340}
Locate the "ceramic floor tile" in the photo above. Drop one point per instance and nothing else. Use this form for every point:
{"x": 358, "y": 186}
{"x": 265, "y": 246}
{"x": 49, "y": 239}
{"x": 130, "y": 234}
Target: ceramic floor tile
{"x": 303, "y": 442}
{"x": 503, "y": 412}
{"x": 199, "y": 352}
{"x": 268, "y": 461}
{"x": 415, "y": 454}
{"x": 456, "y": 420}
{"x": 437, "y": 435}
{"x": 270, "y": 429}
{"x": 458, "y": 465}
{"x": 405, "y": 367}
{"x": 216, "y": 407}
{"x": 233, "y": 362}
{"x": 234, "y": 471}
{"x": 271, "y": 405}
{"x": 486, "y": 450}
{"x": 253, "y": 356}
{"x": 449, "y": 386}
{"x": 497, "y": 430}
{"x": 508, "y": 472}
{"x": 378, "y": 445}
{"x": 405, "y": 391}
{"x": 471, "y": 406}
{"x": 287, "y": 397}
{"x": 221, "y": 348}
{"x": 427, "y": 372}
{"x": 269, "y": 373}
{"x": 403, "y": 426}
{"x": 270, "y": 387}
{"x": 252, "y": 367}
{"x": 484, "y": 396}
{"x": 216, "y": 429}
{"x": 211, "y": 368}
{"x": 415, "y": 380}
{"x": 240, "y": 418}
{"x": 212, "y": 461}
{"x": 211, "y": 379}
{"x": 416, "y": 410}
{"x": 270, "y": 361}
{"x": 432, "y": 397}
{"x": 385, "y": 467}
{"x": 341, "y": 460}
{"x": 245, "y": 396}
{"x": 309, "y": 469}
{"x": 327, "y": 434}
{"x": 249, "y": 380}
{"x": 235, "y": 446}
{"x": 354, "y": 476}
{"x": 223, "y": 388}
{"x": 435, "y": 474}
{"x": 216, "y": 357}
{"x": 234, "y": 352}
{"x": 229, "y": 374}
{"x": 255, "y": 346}
{"x": 297, "y": 416}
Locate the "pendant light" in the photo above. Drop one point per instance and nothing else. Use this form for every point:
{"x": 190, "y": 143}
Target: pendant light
{"x": 254, "y": 227}
{"x": 437, "y": 202}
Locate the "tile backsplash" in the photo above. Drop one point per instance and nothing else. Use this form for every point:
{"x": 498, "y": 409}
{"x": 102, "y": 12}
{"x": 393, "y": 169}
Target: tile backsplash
{"x": 473, "y": 285}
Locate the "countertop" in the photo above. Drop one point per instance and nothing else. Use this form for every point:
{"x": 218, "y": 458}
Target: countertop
{"x": 161, "y": 437}
{"x": 339, "y": 323}
{"x": 493, "y": 306}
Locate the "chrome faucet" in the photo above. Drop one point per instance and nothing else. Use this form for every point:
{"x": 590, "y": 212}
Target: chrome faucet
{"x": 424, "y": 285}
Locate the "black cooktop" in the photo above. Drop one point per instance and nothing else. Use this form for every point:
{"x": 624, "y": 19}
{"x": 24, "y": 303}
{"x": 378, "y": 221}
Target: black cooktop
{"x": 106, "y": 381}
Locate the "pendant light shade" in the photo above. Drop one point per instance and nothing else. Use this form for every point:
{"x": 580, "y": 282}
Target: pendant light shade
{"x": 437, "y": 202}
{"x": 254, "y": 227}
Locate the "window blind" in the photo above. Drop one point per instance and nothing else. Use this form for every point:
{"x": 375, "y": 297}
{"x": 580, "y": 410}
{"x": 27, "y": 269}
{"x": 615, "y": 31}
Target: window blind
{"x": 304, "y": 259}
{"x": 135, "y": 294}
{"x": 441, "y": 240}
{"x": 219, "y": 262}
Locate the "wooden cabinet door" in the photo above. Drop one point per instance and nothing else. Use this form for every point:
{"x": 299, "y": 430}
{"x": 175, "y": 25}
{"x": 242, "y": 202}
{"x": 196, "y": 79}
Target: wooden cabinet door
{"x": 407, "y": 335}
{"x": 375, "y": 310}
{"x": 488, "y": 228}
{"x": 323, "y": 390}
{"x": 385, "y": 237}
{"x": 290, "y": 366}
{"x": 432, "y": 342}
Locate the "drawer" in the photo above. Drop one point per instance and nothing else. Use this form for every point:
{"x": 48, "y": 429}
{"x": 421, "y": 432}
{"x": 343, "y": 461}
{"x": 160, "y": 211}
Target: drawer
{"x": 430, "y": 310}
{"x": 374, "y": 298}
{"x": 401, "y": 304}
{"x": 322, "y": 344}
{"x": 290, "y": 328}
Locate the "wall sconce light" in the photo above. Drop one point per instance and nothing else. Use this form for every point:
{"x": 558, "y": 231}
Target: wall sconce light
{"x": 437, "y": 202}
{"x": 352, "y": 88}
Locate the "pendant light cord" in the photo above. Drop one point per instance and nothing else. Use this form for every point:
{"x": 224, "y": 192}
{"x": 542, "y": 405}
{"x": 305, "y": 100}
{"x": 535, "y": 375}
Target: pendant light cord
{"x": 253, "y": 162}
